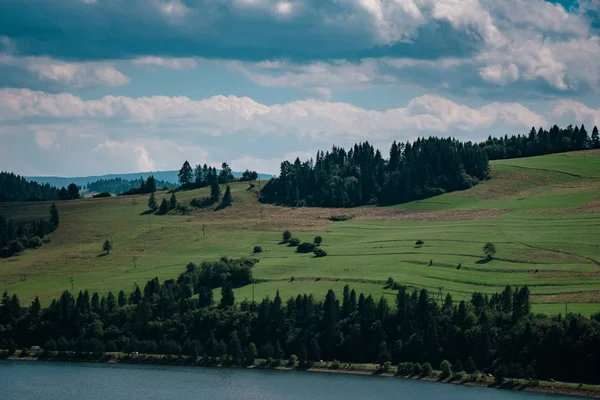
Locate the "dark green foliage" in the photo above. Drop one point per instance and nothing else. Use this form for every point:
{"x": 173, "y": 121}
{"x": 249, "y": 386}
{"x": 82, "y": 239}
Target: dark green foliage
{"x": 319, "y": 252}
{"x": 446, "y": 368}
{"x": 305, "y": 247}
{"x": 215, "y": 191}
{"x": 556, "y": 140}
{"x": 172, "y": 202}
{"x": 257, "y": 249}
{"x": 18, "y": 236}
{"x": 293, "y": 242}
{"x": 73, "y": 191}
{"x": 227, "y": 297}
{"x": 202, "y": 203}
{"x": 101, "y": 195}
{"x": 419, "y": 243}
{"x": 361, "y": 175}
{"x": 489, "y": 249}
{"x": 426, "y": 369}
{"x": 249, "y": 176}
{"x": 186, "y": 175}
{"x": 152, "y": 204}
{"x": 225, "y": 175}
{"x": 339, "y": 218}
{"x": 595, "y": 140}
{"x": 458, "y": 366}
{"x": 226, "y": 200}
{"x": 16, "y": 188}
{"x": 318, "y": 240}
{"x": 166, "y": 318}
{"x": 164, "y": 207}
{"x": 107, "y": 246}
{"x": 130, "y": 187}
{"x": 287, "y": 235}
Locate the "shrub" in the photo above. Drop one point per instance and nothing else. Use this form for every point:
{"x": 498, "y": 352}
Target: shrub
{"x": 319, "y": 252}
{"x": 419, "y": 243}
{"x": 426, "y": 369}
{"x": 339, "y": 218}
{"x": 305, "y": 247}
{"x": 292, "y": 361}
{"x": 489, "y": 249}
{"x": 201, "y": 203}
{"x": 335, "y": 365}
{"x": 459, "y": 266}
{"x": 446, "y": 368}
{"x": 287, "y": 235}
{"x": 389, "y": 283}
{"x": 405, "y": 368}
{"x": 294, "y": 242}
{"x": 318, "y": 240}
{"x": 257, "y": 249}
{"x": 107, "y": 246}
{"x": 35, "y": 242}
{"x": 416, "y": 370}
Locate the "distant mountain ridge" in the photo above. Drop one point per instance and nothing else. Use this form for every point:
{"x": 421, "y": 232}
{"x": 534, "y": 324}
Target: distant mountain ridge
{"x": 168, "y": 176}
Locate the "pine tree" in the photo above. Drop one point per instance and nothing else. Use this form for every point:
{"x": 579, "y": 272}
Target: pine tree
{"x": 215, "y": 191}
{"x": 227, "y": 296}
{"x": 595, "y": 138}
{"x": 152, "y": 204}
{"x": 54, "y": 215}
{"x": 186, "y": 175}
{"x": 164, "y": 207}
{"x": 226, "y": 200}
{"x": 173, "y": 202}
{"x": 107, "y": 246}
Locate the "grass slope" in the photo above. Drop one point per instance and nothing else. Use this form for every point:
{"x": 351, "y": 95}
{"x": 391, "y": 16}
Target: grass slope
{"x": 543, "y": 214}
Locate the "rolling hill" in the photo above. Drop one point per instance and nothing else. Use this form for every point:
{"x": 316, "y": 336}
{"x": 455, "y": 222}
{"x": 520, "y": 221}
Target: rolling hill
{"x": 542, "y": 213}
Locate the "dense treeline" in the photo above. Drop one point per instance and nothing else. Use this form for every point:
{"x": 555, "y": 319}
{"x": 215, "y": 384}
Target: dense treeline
{"x": 145, "y": 186}
{"x": 496, "y": 334}
{"x": 536, "y": 143}
{"x": 361, "y": 175}
{"x": 120, "y": 185}
{"x": 18, "y": 236}
{"x": 16, "y": 188}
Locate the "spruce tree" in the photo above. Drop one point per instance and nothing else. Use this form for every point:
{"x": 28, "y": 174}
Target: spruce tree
{"x": 186, "y": 175}
{"x": 152, "y": 204}
{"x": 54, "y": 215}
{"x": 164, "y": 207}
{"x": 173, "y": 202}
{"x": 215, "y": 191}
{"x": 227, "y": 296}
{"x": 226, "y": 200}
{"x": 595, "y": 138}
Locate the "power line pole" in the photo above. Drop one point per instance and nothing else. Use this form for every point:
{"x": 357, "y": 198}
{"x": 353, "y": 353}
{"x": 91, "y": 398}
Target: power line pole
{"x": 71, "y": 280}
{"x": 261, "y": 213}
{"x": 134, "y": 264}
{"x": 203, "y": 230}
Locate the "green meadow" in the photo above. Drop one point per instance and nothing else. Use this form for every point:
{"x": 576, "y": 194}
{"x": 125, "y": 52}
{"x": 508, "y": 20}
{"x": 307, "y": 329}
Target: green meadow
{"x": 542, "y": 213}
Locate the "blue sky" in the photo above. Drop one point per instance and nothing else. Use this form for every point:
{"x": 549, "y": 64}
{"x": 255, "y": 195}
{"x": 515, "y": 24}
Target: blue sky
{"x": 110, "y": 86}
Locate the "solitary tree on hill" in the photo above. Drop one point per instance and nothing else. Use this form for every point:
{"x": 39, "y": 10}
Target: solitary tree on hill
{"x": 186, "y": 175}
{"x": 107, "y": 246}
{"x": 419, "y": 243}
{"x": 152, "y": 204}
{"x": 173, "y": 202}
{"x": 287, "y": 235}
{"x": 226, "y": 201}
{"x": 318, "y": 240}
{"x": 489, "y": 249}
{"x": 53, "y": 215}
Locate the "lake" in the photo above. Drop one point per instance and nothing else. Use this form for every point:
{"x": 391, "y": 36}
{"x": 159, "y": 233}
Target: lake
{"x": 33, "y": 380}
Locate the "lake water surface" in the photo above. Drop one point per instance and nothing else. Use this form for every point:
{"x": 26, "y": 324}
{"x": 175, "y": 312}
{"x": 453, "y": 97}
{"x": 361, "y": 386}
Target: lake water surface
{"x": 33, "y": 380}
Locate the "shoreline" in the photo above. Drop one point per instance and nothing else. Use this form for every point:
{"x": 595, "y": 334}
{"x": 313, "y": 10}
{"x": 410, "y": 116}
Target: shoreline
{"x": 475, "y": 380}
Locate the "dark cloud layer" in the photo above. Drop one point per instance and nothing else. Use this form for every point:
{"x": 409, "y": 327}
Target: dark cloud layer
{"x": 314, "y": 29}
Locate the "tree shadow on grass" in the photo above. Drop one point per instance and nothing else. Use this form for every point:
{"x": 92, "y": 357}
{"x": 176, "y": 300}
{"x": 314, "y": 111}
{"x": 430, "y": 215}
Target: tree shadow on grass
{"x": 147, "y": 212}
{"x": 484, "y": 261}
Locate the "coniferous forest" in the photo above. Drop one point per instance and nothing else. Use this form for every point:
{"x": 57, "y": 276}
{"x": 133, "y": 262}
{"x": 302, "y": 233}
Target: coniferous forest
{"x": 18, "y": 236}
{"x": 425, "y": 168}
{"x": 16, "y": 188}
{"x": 496, "y": 334}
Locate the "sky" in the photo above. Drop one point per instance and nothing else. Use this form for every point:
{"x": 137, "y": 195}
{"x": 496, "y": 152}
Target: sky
{"x": 90, "y": 87}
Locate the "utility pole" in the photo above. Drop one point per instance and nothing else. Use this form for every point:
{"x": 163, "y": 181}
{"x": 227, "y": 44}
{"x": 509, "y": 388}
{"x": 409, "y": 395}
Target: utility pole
{"x": 261, "y": 213}
{"x": 71, "y": 280}
{"x": 203, "y": 230}
{"x": 150, "y": 224}
{"x": 134, "y": 264}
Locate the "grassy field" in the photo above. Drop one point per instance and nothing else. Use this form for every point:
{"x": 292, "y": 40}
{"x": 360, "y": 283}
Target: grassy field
{"x": 543, "y": 214}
